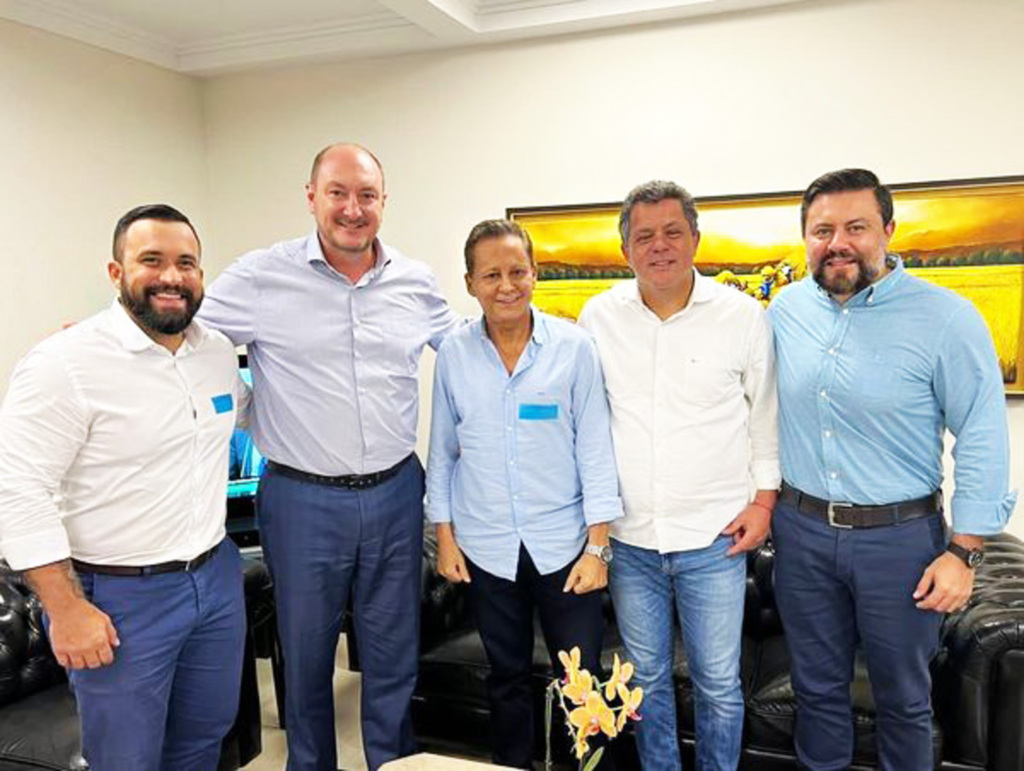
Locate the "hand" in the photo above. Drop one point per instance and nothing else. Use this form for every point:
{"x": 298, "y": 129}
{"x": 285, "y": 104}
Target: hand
{"x": 749, "y": 529}
{"x": 450, "y": 562}
{"x": 83, "y": 636}
{"x": 945, "y": 586}
{"x": 587, "y": 575}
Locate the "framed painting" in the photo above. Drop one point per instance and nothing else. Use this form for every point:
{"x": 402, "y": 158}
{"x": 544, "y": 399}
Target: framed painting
{"x": 966, "y": 235}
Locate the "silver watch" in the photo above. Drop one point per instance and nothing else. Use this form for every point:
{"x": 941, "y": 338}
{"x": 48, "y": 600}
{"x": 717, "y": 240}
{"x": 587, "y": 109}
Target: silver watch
{"x": 603, "y": 553}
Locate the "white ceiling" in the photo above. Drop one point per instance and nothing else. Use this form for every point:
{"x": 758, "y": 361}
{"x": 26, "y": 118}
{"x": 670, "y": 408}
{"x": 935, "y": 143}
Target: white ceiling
{"x": 206, "y": 37}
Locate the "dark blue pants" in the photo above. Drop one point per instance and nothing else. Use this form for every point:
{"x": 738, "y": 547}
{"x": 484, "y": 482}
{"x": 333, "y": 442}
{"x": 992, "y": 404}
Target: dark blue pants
{"x": 172, "y": 692}
{"x": 504, "y": 615}
{"x": 837, "y": 589}
{"x": 324, "y": 545}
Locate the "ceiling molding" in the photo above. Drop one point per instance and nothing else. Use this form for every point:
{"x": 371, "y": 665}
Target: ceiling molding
{"x": 69, "y": 20}
{"x": 395, "y": 27}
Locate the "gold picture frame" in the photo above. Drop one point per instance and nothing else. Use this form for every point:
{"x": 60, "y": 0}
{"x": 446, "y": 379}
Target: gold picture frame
{"x": 966, "y": 235}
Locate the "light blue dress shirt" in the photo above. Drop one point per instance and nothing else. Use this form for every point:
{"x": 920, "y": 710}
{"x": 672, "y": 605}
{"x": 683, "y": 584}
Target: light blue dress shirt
{"x": 866, "y": 390}
{"x": 334, "y": 364}
{"x": 521, "y": 459}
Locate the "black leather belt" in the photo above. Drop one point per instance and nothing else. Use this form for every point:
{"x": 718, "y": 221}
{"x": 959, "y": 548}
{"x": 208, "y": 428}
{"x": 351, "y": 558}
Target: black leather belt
{"x": 175, "y": 566}
{"x": 848, "y": 516}
{"x": 346, "y": 481}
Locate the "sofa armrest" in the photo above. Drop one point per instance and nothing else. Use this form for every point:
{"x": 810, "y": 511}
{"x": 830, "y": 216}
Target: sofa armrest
{"x": 26, "y": 663}
{"x": 980, "y": 662}
{"x": 444, "y": 604}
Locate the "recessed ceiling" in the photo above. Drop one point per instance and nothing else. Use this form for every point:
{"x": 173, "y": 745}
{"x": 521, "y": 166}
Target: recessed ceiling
{"x": 201, "y": 37}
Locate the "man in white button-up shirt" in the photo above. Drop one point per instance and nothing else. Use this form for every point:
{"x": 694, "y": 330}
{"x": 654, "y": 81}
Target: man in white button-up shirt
{"x": 113, "y": 463}
{"x": 690, "y": 377}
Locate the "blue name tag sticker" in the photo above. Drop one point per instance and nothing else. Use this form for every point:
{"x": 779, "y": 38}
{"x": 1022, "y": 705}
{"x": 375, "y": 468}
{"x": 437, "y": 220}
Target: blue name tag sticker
{"x": 538, "y": 412}
{"x": 223, "y": 403}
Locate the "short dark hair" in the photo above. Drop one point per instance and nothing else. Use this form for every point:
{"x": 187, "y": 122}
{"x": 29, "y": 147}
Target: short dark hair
{"x": 320, "y": 157}
{"x": 150, "y": 211}
{"x": 495, "y": 229}
{"x": 656, "y": 191}
{"x": 843, "y": 181}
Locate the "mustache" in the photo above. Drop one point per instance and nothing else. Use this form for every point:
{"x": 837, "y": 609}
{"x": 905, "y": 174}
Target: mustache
{"x": 179, "y": 289}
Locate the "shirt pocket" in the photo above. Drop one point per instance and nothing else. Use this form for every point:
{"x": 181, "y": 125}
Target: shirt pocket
{"x": 706, "y": 379}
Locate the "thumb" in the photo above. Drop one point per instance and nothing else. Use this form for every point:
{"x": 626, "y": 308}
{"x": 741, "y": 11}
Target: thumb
{"x": 925, "y": 584}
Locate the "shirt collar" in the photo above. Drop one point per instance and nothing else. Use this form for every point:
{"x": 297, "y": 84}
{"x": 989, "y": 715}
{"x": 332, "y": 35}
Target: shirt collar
{"x": 703, "y": 291}
{"x": 133, "y": 338}
{"x": 539, "y": 335}
{"x": 315, "y": 255}
{"x": 872, "y": 295}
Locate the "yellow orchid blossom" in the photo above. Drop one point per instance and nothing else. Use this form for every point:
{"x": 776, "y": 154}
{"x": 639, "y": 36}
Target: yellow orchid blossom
{"x": 621, "y": 673}
{"x": 580, "y": 688}
{"x": 594, "y": 716}
{"x": 570, "y": 663}
{"x": 631, "y": 701}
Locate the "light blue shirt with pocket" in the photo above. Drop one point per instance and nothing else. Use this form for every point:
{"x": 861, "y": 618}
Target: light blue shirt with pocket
{"x": 524, "y": 458}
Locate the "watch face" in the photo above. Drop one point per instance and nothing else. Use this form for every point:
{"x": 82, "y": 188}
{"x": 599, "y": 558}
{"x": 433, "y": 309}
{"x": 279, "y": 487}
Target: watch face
{"x": 606, "y": 554}
{"x": 975, "y": 558}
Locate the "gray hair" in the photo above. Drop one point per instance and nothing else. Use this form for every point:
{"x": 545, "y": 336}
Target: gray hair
{"x": 656, "y": 191}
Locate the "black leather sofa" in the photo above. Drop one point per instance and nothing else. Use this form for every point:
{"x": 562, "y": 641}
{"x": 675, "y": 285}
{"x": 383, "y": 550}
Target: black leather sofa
{"x": 978, "y": 676}
{"x": 39, "y": 727}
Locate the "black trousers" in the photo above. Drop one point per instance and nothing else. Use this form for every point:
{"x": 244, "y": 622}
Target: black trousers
{"x": 504, "y": 614}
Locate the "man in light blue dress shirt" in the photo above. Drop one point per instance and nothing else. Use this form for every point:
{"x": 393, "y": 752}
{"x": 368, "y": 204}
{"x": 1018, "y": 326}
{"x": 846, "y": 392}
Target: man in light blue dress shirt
{"x": 335, "y": 323}
{"x": 873, "y": 365}
{"x": 521, "y": 479}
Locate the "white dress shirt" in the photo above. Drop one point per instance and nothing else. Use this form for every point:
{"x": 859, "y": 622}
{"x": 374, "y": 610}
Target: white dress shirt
{"x": 694, "y": 410}
{"x": 113, "y": 450}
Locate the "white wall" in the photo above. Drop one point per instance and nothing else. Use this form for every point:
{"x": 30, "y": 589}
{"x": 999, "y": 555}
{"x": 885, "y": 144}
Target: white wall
{"x": 84, "y": 136}
{"x": 914, "y": 89}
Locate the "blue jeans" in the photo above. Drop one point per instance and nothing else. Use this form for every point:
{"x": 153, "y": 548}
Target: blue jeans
{"x": 706, "y": 589}
{"x": 171, "y": 694}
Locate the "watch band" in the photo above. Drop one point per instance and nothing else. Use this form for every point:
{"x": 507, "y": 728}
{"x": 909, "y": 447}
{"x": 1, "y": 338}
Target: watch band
{"x": 971, "y": 557}
{"x": 603, "y": 553}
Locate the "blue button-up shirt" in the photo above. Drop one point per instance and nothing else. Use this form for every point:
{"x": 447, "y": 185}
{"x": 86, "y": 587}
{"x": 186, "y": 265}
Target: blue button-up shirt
{"x": 334, "y": 364}
{"x": 521, "y": 459}
{"x": 866, "y": 390}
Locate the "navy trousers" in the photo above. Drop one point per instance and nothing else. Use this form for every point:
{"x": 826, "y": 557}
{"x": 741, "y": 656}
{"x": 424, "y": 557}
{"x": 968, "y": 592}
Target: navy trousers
{"x": 504, "y": 615}
{"x": 837, "y": 589}
{"x": 324, "y": 545}
{"x": 171, "y": 694}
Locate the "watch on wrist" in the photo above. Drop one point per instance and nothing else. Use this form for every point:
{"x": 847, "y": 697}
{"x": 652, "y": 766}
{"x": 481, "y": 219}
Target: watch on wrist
{"x": 971, "y": 557}
{"x": 603, "y": 553}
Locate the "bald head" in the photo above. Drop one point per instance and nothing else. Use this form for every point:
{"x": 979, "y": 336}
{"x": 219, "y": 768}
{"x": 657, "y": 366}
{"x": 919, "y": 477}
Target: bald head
{"x": 347, "y": 151}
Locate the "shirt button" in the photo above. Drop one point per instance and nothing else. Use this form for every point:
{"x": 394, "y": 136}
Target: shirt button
{"x": 833, "y": 474}
{"x": 828, "y": 434}
{"x": 832, "y": 351}
{"x": 508, "y": 428}
{"x": 846, "y": 311}
{"x": 823, "y": 393}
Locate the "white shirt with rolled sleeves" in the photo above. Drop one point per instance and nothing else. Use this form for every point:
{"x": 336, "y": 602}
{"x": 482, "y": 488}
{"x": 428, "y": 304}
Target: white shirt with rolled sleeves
{"x": 113, "y": 450}
{"x": 694, "y": 411}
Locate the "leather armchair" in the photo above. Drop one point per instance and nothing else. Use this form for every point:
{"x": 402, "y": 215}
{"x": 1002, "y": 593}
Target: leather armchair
{"x": 39, "y": 727}
{"x": 978, "y": 674}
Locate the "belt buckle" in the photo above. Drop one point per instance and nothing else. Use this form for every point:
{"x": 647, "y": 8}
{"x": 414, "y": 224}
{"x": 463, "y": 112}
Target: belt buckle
{"x": 832, "y": 506}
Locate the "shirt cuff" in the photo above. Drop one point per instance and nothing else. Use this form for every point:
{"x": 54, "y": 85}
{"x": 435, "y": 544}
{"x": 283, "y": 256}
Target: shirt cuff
{"x": 41, "y": 548}
{"x": 766, "y": 474}
{"x": 599, "y": 512}
{"x": 437, "y": 515}
{"x": 982, "y": 517}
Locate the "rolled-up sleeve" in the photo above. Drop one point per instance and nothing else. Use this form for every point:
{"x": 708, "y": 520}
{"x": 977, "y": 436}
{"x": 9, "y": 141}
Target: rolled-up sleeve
{"x": 444, "y": 448}
{"x": 969, "y": 386}
{"x": 595, "y": 456}
{"x": 43, "y": 425}
{"x": 761, "y": 394}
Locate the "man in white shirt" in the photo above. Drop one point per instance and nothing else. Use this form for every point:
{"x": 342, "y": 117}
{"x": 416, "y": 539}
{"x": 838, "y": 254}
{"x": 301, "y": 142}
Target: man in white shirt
{"x": 113, "y": 459}
{"x": 690, "y": 376}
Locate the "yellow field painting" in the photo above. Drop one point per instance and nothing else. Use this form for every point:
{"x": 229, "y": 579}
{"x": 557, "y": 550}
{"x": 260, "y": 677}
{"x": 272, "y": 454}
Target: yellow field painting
{"x": 968, "y": 237}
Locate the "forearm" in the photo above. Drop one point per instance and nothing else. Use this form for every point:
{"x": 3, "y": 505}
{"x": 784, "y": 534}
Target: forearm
{"x": 56, "y": 586}
{"x": 598, "y": 534}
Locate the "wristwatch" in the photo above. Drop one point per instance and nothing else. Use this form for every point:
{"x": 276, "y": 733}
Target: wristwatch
{"x": 603, "y": 553}
{"x": 971, "y": 557}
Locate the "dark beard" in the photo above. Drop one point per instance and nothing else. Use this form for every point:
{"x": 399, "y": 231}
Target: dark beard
{"x": 164, "y": 323}
{"x": 840, "y": 285}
